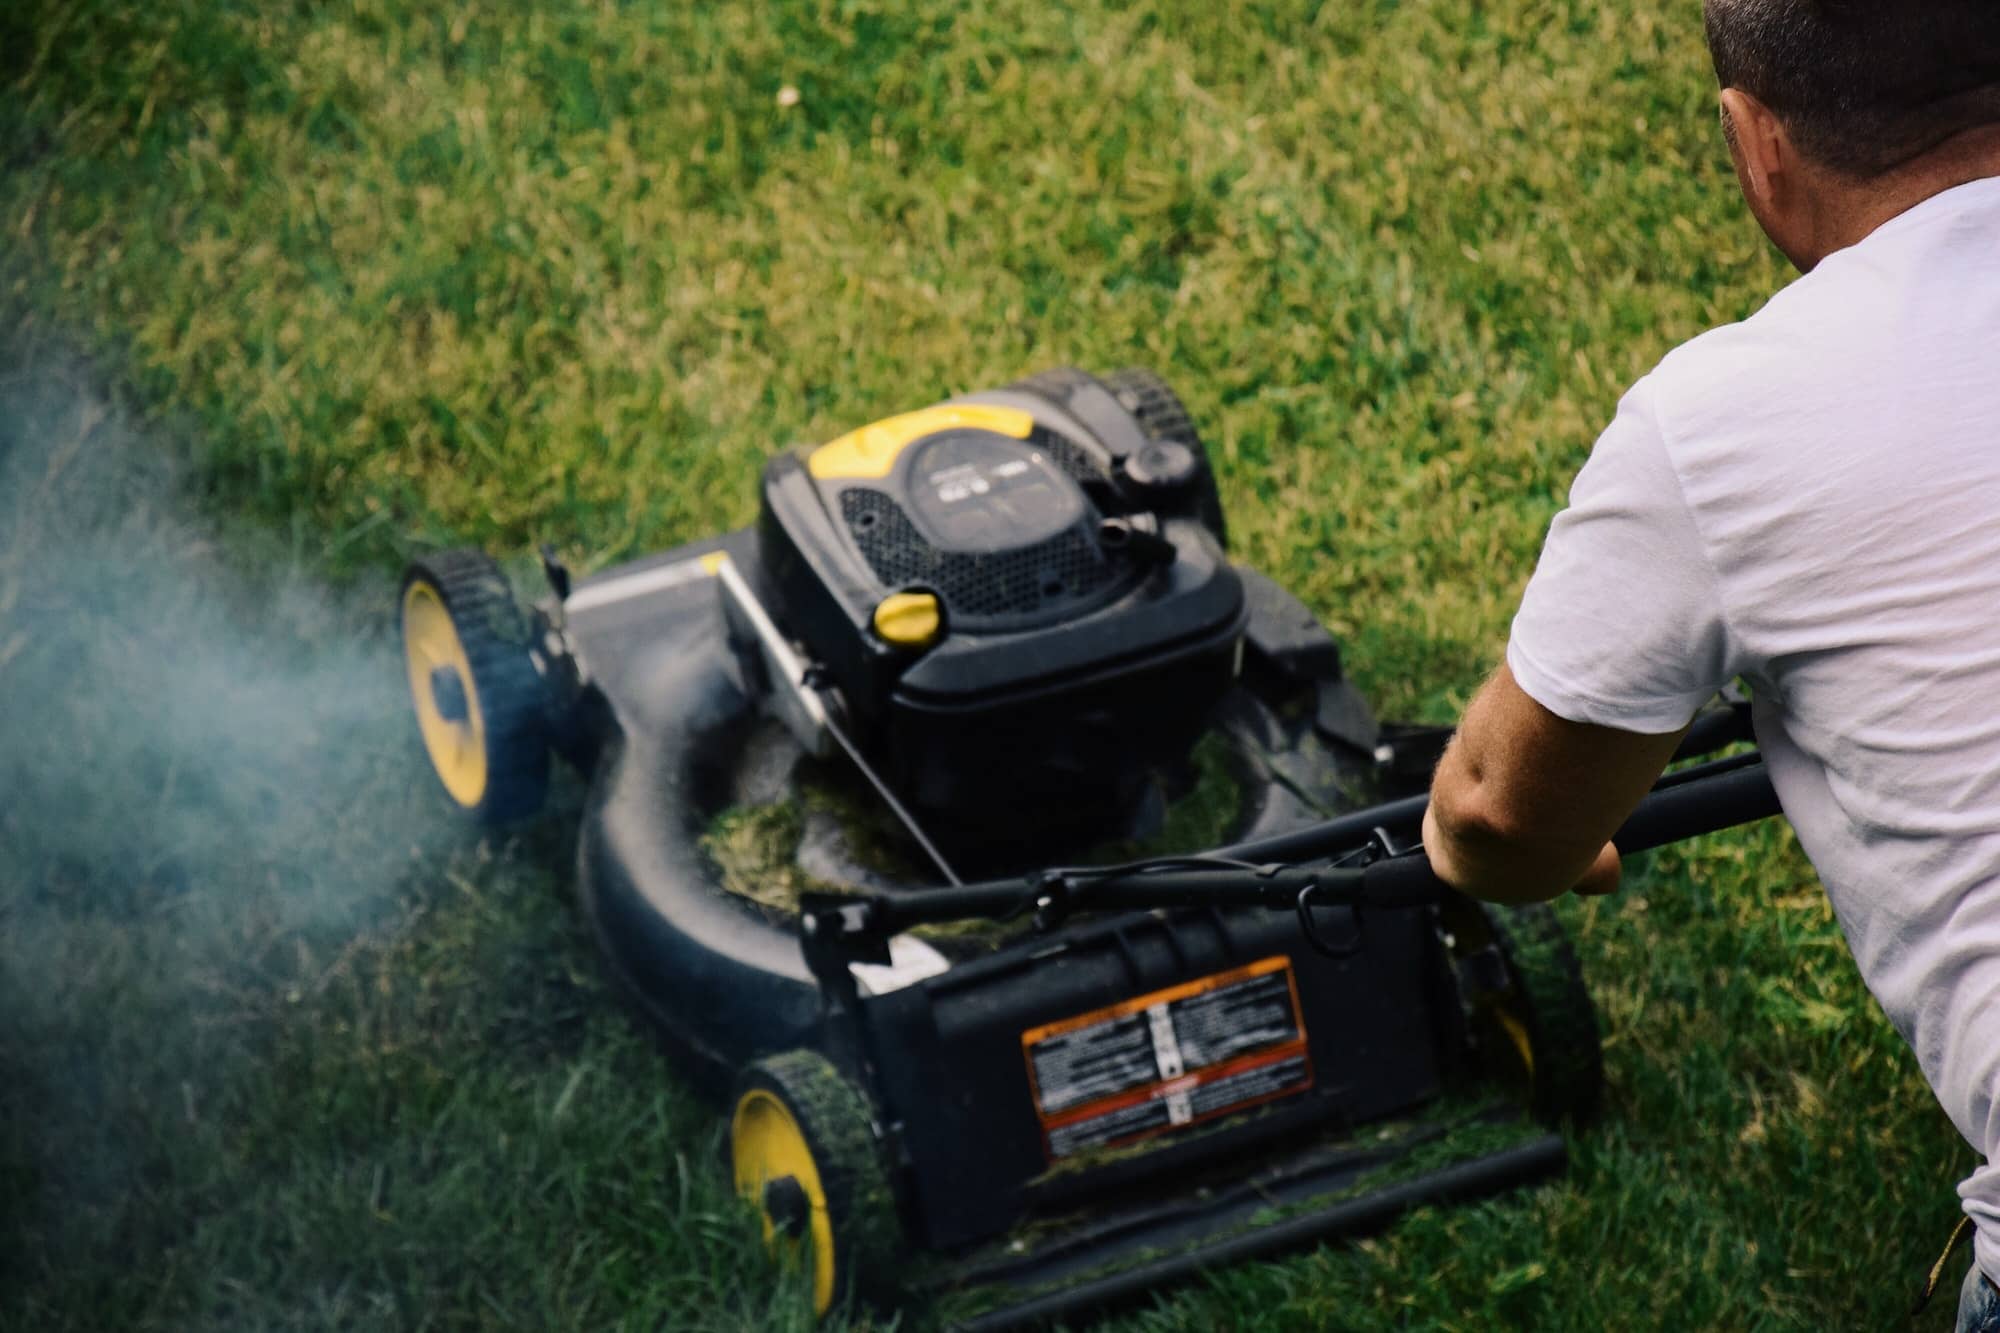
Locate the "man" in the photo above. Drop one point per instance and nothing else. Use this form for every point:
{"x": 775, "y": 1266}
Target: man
{"x": 1809, "y": 500}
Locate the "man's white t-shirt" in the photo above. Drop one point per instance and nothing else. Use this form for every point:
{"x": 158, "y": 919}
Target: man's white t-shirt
{"x": 1811, "y": 500}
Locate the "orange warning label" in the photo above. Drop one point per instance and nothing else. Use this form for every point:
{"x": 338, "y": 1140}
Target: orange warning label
{"x": 1176, "y": 1057}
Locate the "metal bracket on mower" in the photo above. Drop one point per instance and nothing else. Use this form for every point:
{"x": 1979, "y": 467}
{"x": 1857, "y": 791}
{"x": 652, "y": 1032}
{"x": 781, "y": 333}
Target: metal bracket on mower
{"x": 1344, "y": 945}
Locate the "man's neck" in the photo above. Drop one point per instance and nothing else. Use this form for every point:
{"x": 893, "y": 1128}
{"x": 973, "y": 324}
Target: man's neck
{"x": 1849, "y": 210}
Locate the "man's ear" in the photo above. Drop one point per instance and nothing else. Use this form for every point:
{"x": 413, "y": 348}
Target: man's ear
{"x": 1765, "y": 159}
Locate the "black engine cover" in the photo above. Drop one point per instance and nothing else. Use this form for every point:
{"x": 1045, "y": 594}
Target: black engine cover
{"x": 1065, "y": 662}
{"x": 991, "y": 525}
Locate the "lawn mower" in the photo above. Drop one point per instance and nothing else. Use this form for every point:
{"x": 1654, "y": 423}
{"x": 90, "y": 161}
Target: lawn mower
{"x": 1091, "y": 941}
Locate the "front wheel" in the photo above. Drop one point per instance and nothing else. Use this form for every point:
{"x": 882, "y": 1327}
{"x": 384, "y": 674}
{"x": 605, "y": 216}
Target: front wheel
{"x": 802, "y": 1143}
{"x": 478, "y": 698}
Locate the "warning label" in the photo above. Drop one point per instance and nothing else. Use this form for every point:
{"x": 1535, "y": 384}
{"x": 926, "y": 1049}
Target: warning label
{"x": 1172, "y": 1058}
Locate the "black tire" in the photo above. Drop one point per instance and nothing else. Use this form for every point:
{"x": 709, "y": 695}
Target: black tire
{"x": 1165, "y": 417}
{"x": 1534, "y": 1021}
{"x": 505, "y": 703}
{"x": 855, "y": 1249}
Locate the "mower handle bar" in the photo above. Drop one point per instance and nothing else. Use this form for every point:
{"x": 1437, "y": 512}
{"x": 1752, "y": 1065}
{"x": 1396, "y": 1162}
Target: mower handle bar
{"x": 1730, "y": 792}
{"x": 1713, "y": 728}
{"x": 1402, "y": 821}
{"x": 1685, "y": 804}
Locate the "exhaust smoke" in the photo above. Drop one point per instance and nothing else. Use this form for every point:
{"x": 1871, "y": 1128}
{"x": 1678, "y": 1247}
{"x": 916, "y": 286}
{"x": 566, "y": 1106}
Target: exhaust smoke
{"x": 210, "y": 800}
{"x": 283, "y": 1045}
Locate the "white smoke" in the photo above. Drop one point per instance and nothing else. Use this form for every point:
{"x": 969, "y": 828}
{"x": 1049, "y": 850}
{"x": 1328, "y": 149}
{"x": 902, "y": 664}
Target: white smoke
{"x": 209, "y": 793}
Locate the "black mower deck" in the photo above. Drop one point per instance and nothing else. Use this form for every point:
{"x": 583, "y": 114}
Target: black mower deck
{"x": 1097, "y": 1227}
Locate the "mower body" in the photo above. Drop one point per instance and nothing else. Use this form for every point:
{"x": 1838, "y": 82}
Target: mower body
{"x": 1018, "y": 608}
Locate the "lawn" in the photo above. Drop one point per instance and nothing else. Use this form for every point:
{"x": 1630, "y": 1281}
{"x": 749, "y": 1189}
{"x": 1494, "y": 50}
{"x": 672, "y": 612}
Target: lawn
{"x": 294, "y": 291}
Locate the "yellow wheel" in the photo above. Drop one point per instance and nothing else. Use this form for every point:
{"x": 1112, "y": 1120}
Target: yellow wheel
{"x": 802, "y": 1143}
{"x": 1531, "y": 1015}
{"x": 477, "y": 695}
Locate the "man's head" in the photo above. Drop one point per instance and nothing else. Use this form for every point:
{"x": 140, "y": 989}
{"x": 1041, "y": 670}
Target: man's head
{"x": 1836, "y": 110}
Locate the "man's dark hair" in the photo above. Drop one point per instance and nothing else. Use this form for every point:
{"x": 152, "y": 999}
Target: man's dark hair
{"x": 1863, "y": 85}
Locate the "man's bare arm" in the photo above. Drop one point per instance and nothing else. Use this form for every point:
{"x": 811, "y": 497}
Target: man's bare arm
{"x": 1524, "y": 802}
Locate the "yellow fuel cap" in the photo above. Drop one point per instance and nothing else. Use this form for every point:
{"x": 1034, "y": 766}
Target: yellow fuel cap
{"x": 909, "y": 619}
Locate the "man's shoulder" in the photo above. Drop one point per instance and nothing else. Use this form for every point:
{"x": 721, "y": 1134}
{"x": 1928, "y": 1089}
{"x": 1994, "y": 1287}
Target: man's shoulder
{"x": 1892, "y": 308}
{"x": 1789, "y": 357}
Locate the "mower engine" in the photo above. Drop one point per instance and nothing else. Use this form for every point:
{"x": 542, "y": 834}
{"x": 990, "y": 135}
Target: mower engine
{"x": 1021, "y": 597}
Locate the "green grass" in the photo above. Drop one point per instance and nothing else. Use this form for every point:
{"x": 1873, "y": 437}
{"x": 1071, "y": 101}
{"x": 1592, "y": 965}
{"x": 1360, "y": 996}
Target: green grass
{"x": 359, "y": 279}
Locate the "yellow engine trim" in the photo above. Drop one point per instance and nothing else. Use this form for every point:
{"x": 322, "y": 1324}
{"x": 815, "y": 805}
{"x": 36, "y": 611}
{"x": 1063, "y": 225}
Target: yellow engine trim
{"x": 872, "y": 451}
{"x": 457, "y": 749}
{"x": 767, "y": 1144}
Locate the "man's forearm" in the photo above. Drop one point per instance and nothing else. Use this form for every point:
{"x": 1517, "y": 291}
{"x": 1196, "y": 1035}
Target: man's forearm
{"x": 1524, "y": 803}
{"x": 1478, "y": 859}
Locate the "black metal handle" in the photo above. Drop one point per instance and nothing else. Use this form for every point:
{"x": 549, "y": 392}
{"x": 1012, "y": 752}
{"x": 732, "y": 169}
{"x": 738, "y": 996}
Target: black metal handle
{"x": 1685, "y": 804}
{"x": 1740, "y": 792}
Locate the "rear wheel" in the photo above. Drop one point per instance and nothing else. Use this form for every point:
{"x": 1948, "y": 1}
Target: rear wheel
{"x": 802, "y": 1144}
{"x": 1160, "y": 410}
{"x": 1530, "y": 1013}
{"x": 478, "y": 698}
